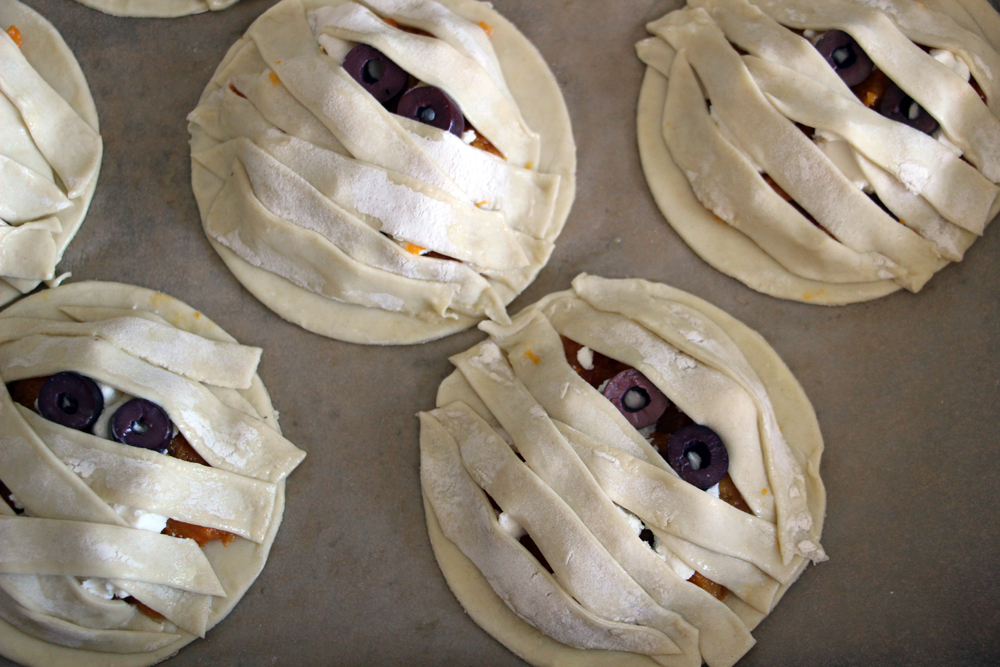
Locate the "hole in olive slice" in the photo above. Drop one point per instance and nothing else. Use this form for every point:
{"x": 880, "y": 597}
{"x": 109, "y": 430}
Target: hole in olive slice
{"x": 698, "y": 455}
{"x": 845, "y": 56}
{"x": 378, "y": 75}
{"x": 142, "y": 423}
{"x": 432, "y": 106}
{"x": 71, "y": 399}
{"x": 638, "y": 399}
{"x": 900, "y": 107}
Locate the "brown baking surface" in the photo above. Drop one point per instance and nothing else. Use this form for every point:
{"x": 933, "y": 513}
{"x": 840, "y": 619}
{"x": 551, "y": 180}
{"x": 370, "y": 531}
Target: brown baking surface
{"x": 907, "y": 388}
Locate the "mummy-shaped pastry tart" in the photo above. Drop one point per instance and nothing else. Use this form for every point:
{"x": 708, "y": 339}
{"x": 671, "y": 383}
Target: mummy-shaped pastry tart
{"x": 366, "y": 211}
{"x": 123, "y": 411}
{"x": 50, "y": 151}
{"x": 826, "y": 152}
{"x": 565, "y": 532}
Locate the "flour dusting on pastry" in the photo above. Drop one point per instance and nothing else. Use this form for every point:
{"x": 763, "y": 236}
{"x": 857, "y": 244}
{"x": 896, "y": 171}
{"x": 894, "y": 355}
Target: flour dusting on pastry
{"x": 630, "y": 503}
{"x": 368, "y": 171}
{"x": 847, "y": 148}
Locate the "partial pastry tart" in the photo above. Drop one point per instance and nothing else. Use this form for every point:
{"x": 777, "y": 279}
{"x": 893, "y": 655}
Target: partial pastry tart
{"x": 383, "y": 171}
{"x": 167, "y": 9}
{"x": 50, "y": 149}
{"x": 624, "y": 475}
{"x": 142, "y": 475}
{"x": 827, "y": 152}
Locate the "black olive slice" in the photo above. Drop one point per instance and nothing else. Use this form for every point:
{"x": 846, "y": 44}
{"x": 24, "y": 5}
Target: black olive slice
{"x": 845, "y": 56}
{"x": 900, "y": 107}
{"x": 378, "y": 75}
{"x": 142, "y": 423}
{"x": 638, "y": 399}
{"x": 433, "y": 107}
{"x": 71, "y": 399}
{"x": 698, "y": 455}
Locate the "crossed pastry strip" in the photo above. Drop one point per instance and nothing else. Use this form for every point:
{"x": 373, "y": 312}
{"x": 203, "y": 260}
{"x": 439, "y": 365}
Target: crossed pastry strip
{"x": 858, "y": 200}
{"x": 308, "y": 187}
{"x": 84, "y": 496}
{"x": 518, "y": 428}
{"x": 50, "y": 151}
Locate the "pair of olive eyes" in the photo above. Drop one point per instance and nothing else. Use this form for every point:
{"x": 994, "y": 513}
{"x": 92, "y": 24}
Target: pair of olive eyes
{"x": 385, "y": 80}
{"x": 75, "y": 401}
{"x": 695, "y": 452}
{"x": 853, "y": 66}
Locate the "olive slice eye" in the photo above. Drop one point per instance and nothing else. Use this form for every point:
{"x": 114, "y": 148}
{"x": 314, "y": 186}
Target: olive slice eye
{"x": 698, "y": 455}
{"x": 845, "y": 56}
{"x": 142, "y": 423}
{"x": 898, "y": 106}
{"x": 432, "y": 106}
{"x": 636, "y": 397}
{"x": 71, "y": 399}
{"x": 376, "y": 73}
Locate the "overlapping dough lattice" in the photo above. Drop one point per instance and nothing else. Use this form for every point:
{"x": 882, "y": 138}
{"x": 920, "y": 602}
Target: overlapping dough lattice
{"x": 82, "y": 514}
{"x": 827, "y": 152}
{"x": 365, "y": 225}
{"x": 562, "y": 529}
{"x": 50, "y": 151}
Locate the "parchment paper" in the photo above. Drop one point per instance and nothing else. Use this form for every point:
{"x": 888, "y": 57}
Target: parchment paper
{"x": 907, "y": 388}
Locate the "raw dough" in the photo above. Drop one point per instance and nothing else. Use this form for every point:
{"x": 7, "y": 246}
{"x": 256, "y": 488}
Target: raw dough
{"x": 319, "y": 200}
{"x": 82, "y": 493}
{"x": 578, "y": 461}
{"x": 705, "y": 163}
{"x": 164, "y": 9}
{"x": 48, "y": 173}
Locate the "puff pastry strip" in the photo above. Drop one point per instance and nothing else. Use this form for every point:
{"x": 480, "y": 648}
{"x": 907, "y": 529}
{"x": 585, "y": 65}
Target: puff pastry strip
{"x": 581, "y": 564}
{"x": 347, "y": 232}
{"x": 788, "y": 156}
{"x": 219, "y": 363}
{"x": 236, "y": 441}
{"x": 146, "y": 480}
{"x": 942, "y": 93}
{"x": 539, "y": 441}
{"x": 702, "y": 339}
{"x": 488, "y": 106}
{"x": 468, "y": 520}
{"x": 727, "y": 183}
{"x": 52, "y": 546}
{"x": 47, "y": 488}
{"x": 239, "y": 221}
{"x": 468, "y": 38}
{"x": 68, "y": 143}
{"x": 370, "y": 132}
{"x": 25, "y": 194}
{"x": 925, "y": 166}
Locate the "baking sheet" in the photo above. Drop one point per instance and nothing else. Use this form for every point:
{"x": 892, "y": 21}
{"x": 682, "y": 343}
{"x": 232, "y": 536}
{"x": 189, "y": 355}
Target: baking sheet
{"x": 907, "y": 388}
